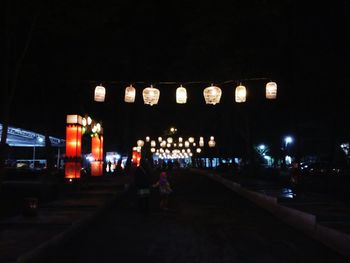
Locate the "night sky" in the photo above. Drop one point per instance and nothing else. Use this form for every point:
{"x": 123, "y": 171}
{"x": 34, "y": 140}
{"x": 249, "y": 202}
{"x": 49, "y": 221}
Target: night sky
{"x": 75, "y": 46}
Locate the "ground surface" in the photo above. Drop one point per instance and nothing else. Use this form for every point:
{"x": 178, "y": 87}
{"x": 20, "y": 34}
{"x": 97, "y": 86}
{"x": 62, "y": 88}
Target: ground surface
{"x": 206, "y": 223}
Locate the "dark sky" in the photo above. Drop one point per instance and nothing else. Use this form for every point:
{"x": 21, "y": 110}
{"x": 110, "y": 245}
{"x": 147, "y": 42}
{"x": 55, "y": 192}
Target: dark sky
{"x": 79, "y": 44}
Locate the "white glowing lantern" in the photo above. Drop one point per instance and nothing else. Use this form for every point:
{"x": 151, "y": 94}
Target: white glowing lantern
{"x": 84, "y": 122}
{"x": 153, "y": 150}
{"x": 140, "y": 143}
{"x": 240, "y": 94}
{"x": 169, "y": 140}
{"x": 194, "y": 144}
{"x": 191, "y": 139}
{"x": 180, "y": 144}
{"x": 98, "y": 127}
{"x": 187, "y": 144}
{"x": 271, "y": 90}
{"x": 161, "y": 150}
{"x": 89, "y": 120}
{"x": 181, "y": 95}
{"x": 147, "y": 139}
{"x": 160, "y": 139}
{"x": 201, "y": 138}
{"x": 150, "y": 95}
{"x": 198, "y": 150}
{"x": 100, "y": 93}
{"x": 211, "y": 144}
{"x": 180, "y": 139}
{"x": 212, "y": 138}
{"x": 163, "y": 144}
{"x": 130, "y": 93}
{"x": 212, "y": 95}
{"x": 168, "y": 145}
{"x": 190, "y": 154}
{"x": 153, "y": 143}
{"x": 201, "y": 143}
{"x": 188, "y": 150}
{"x": 174, "y": 144}
{"x": 183, "y": 150}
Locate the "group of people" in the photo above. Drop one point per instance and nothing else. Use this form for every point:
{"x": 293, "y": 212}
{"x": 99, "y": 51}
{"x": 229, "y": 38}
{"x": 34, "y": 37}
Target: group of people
{"x": 143, "y": 184}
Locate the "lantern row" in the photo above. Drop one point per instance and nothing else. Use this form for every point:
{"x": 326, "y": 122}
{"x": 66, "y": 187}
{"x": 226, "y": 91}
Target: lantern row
{"x": 212, "y": 94}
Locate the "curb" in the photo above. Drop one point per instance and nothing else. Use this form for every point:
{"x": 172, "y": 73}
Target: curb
{"x": 41, "y": 252}
{"x": 302, "y": 221}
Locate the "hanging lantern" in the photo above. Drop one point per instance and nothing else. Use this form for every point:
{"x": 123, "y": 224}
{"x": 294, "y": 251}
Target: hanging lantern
{"x": 198, "y": 150}
{"x": 240, "y": 94}
{"x": 212, "y": 95}
{"x": 191, "y": 139}
{"x": 211, "y": 144}
{"x": 212, "y": 138}
{"x": 100, "y": 93}
{"x": 201, "y": 143}
{"x": 188, "y": 150}
{"x": 168, "y": 145}
{"x": 163, "y": 144}
{"x": 194, "y": 144}
{"x": 180, "y": 144}
{"x": 130, "y": 93}
{"x": 153, "y": 143}
{"x": 181, "y": 95}
{"x": 160, "y": 139}
{"x": 187, "y": 144}
{"x": 147, "y": 138}
{"x": 169, "y": 140}
{"x": 140, "y": 143}
{"x": 180, "y": 139}
{"x": 153, "y": 150}
{"x": 151, "y": 95}
{"x": 271, "y": 90}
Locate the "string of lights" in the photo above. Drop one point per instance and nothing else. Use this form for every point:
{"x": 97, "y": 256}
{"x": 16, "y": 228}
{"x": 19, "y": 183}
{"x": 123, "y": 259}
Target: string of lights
{"x": 212, "y": 94}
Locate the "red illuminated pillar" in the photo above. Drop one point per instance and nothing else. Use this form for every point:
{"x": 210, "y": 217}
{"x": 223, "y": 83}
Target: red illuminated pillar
{"x": 136, "y": 156}
{"x": 97, "y": 155}
{"x": 73, "y": 147}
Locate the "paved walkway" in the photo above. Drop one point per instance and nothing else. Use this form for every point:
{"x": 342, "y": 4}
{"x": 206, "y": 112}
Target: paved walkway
{"x": 207, "y": 223}
{"x": 21, "y": 235}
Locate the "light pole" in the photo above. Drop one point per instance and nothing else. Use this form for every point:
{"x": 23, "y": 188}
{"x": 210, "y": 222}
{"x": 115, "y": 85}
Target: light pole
{"x": 36, "y": 139}
{"x": 287, "y": 141}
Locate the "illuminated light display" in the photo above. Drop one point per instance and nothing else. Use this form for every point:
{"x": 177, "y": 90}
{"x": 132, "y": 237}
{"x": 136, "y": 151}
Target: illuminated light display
{"x": 212, "y": 95}
{"x": 140, "y": 143}
{"x": 73, "y": 146}
{"x": 97, "y": 155}
{"x": 151, "y": 95}
{"x": 153, "y": 143}
{"x": 181, "y": 95}
{"x": 211, "y": 144}
{"x": 136, "y": 157}
{"x": 100, "y": 93}
{"x": 240, "y": 94}
{"x": 271, "y": 90}
{"x": 72, "y": 169}
{"x": 130, "y": 94}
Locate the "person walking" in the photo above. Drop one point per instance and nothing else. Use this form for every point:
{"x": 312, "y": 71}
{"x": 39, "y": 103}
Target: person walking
{"x": 143, "y": 184}
{"x": 164, "y": 190}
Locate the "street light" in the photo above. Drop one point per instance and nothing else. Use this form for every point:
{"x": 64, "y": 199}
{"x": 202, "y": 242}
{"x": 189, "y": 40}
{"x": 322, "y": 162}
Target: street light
{"x": 288, "y": 140}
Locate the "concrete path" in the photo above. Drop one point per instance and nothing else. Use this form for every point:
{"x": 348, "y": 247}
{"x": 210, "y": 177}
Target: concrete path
{"x": 207, "y": 223}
